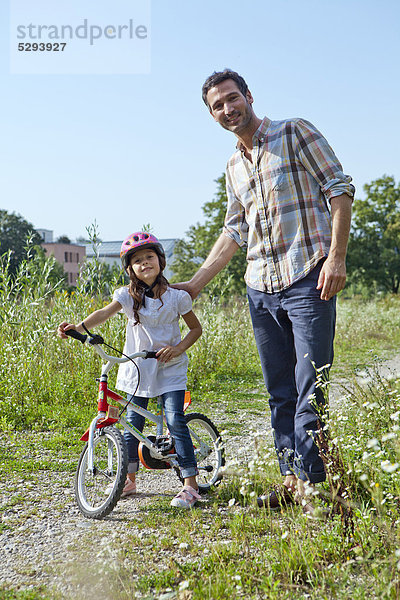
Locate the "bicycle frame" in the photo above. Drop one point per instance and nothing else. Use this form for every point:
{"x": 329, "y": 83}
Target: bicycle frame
{"x": 107, "y": 416}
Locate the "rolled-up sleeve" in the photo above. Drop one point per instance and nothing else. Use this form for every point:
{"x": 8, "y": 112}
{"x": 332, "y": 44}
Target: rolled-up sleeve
{"x": 318, "y": 158}
{"x": 235, "y": 225}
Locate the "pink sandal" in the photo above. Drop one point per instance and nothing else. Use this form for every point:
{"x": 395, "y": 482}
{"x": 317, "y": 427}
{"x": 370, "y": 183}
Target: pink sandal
{"x": 128, "y": 490}
{"x": 186, "y": 498}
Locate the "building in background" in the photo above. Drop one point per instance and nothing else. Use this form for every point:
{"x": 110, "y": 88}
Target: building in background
{"x": 46, "y": 234}
{"x": 108, "y": 252}
{"x": 70, "y": 256}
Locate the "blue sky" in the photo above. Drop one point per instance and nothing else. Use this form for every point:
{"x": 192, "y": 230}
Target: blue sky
{"x": 133, "y": 149}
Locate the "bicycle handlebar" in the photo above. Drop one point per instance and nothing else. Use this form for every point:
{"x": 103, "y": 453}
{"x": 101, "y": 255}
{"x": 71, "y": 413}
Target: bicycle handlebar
{"x": 96, "y": 339}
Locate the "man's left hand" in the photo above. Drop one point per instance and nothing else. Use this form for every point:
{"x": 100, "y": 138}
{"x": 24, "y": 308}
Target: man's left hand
{"x": 332, "y": 277}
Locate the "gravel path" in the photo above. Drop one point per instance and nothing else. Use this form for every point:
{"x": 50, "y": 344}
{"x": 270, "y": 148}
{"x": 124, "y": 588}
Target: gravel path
{"x": 44, "y": 538}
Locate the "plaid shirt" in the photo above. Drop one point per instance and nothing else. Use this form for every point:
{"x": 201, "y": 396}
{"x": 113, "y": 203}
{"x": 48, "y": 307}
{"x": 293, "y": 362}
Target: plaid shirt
{"x": 278, "y": 204}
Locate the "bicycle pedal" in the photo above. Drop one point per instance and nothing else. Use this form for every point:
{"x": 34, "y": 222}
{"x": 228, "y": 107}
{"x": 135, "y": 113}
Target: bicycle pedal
{"x": 164, "y": 443}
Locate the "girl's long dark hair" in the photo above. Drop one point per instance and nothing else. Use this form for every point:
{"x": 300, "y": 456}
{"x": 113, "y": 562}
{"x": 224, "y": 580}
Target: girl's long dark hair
{"x": 137, "y": 287}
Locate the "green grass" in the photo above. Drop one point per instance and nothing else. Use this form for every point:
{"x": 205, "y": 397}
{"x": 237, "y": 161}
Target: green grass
{"x": 25, "y": 595}
{"x": 30, "y": 453}
{"x": 366, "y": 330}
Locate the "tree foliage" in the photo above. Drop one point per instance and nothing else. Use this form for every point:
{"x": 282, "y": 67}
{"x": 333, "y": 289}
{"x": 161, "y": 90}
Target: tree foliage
{"x": 14, "y": 233}
{"x": 374, "y": 245}
{"x": 63, "y": 239}
{"x": 191, "y": 252}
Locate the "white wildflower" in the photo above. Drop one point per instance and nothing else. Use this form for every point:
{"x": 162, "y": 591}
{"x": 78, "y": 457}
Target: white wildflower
{"x": 373, "y": 443}
{"x": 327, "y": 366}
{"x": 232, "y": 468}
{"x": 184, "y": 585}
{"x": 389, "y": 467}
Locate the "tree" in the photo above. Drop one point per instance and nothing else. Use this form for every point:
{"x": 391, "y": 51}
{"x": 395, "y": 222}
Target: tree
{"x": 191, "y": 252}
{"x": 374, "y": 244}
{"x": 14, "y": 233}
{"x": 63, "y": 239}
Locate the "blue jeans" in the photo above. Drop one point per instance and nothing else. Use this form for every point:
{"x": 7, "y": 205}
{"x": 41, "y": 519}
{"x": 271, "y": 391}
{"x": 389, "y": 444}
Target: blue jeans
{"x": 292, "y": 328}
{"x": 175, "y": 417}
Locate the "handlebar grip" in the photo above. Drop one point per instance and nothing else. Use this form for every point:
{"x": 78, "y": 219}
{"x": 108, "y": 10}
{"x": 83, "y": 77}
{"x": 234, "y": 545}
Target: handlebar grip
{"x": 95, "y": 339}
{"x": 76, "y": 335}
{"x": 150, "y": 354}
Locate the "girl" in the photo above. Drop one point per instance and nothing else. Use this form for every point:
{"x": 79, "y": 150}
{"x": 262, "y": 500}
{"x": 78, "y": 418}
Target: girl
{"x": 153, "y": 309}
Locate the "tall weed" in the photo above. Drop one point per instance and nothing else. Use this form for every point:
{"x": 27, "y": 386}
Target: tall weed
{"x": 226, "y": 347}
{"x": 48, "y": 383}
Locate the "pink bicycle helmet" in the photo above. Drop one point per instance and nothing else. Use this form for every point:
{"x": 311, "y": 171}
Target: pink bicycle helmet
{"x": 137, "y": 241}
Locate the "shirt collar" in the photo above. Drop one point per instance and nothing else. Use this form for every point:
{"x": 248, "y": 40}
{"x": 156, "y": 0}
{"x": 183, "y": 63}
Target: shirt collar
{"x": 259, "y": 134}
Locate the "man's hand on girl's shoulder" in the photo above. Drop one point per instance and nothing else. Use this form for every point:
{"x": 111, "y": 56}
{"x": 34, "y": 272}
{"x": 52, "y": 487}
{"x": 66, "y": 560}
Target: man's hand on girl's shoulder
{"x": 186, "y": 286}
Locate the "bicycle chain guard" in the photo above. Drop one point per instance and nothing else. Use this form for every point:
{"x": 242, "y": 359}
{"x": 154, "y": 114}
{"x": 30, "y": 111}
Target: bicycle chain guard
{"x": 148, "y": 461}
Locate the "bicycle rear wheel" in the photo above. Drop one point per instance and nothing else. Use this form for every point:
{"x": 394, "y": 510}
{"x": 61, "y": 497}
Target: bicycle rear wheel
{"x": 208, "y": 449}
{"x": 98, "y": 491}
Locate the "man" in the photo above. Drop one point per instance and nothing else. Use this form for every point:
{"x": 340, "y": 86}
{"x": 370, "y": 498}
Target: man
{"x": 290, "y": 204}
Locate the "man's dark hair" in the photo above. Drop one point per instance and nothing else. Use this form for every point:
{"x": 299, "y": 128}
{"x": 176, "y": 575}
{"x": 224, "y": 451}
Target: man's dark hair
{"x": 219, "y": 76}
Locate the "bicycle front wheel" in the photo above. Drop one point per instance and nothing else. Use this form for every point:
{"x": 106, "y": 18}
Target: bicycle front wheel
{"x": 208, "y": 449}
{"x": 98, "y": 490}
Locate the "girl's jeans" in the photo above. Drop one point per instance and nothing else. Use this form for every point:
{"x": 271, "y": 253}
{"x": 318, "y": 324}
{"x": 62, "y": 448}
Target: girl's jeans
{"x": 175, "y": 417}
{"x": 294, "y": 331}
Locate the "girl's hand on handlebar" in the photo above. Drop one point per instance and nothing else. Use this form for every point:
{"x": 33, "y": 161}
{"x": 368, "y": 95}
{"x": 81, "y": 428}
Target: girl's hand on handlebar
{"x": 168, "y": 353}
{"x": 63, "y": 327}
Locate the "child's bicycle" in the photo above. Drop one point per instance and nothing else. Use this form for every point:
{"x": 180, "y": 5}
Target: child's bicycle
{"x": 103, "y": 464}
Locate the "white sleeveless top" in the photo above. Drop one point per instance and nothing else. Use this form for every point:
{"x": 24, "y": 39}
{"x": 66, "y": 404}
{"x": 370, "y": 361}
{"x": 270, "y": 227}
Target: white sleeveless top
{"x": 158, "y": 327}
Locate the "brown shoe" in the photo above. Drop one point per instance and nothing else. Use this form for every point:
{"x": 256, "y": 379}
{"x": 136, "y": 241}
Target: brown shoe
{"x": 276, "y": 499}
